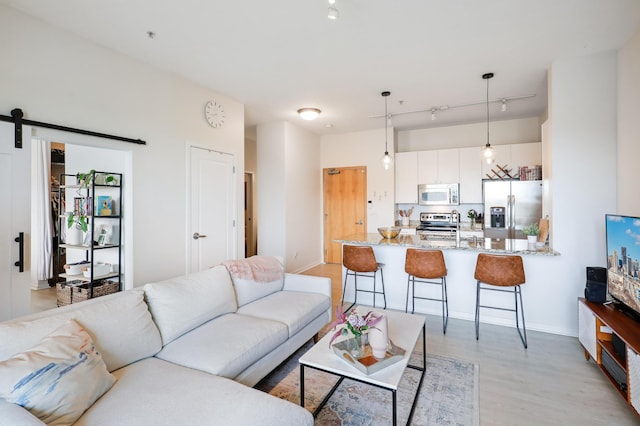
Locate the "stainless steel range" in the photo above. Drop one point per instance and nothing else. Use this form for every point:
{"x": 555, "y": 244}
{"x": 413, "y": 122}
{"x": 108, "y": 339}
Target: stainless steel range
{"x": 439, "y": 226}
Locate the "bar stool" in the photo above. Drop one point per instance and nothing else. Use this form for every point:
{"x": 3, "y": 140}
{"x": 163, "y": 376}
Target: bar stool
{"x": 427, "y": 266}
{"x": 500, "y": 271}
{"x": 360, "y": 261}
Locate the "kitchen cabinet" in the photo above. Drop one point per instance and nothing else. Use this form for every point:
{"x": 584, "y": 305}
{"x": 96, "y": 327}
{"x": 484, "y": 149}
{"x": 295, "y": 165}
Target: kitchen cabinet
{"x": 407, "y": 177}
{"x": 514, "y": 156}
{"x": 470, "y": 176}
{"x": 439, "y": 166}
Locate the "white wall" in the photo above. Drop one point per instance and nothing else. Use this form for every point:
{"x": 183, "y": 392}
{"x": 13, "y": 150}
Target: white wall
{"x": 583, "y": 117}
{"x": 366, "y": 149}
{"x": 290, "y": 189}
{"x": 57, "y": 77}
{"x": 521, "y": 130}
{"x": 629, "y": 127}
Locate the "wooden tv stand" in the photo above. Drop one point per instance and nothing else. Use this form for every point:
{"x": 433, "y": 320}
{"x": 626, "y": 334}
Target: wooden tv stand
{"x": 597, "y": 323}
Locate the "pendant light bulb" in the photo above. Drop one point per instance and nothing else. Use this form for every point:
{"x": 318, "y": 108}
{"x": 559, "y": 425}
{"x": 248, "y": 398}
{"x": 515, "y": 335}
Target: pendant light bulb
{"x": 488, "y": 153}
{"x": 386, "y": 159}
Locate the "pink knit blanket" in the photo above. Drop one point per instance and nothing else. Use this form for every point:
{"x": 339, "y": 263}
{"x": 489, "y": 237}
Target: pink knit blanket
{"x": 257, "y": 268}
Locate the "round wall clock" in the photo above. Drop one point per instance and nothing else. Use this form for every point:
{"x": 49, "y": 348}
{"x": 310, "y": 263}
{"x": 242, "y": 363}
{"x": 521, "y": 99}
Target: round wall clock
{"x": 214, "y": 113}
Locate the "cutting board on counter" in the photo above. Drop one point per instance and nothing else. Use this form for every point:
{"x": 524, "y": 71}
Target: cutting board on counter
{"x": 543, "y": 232}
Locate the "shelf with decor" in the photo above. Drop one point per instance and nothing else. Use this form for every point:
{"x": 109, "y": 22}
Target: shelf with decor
{"x": 92, "y": 220}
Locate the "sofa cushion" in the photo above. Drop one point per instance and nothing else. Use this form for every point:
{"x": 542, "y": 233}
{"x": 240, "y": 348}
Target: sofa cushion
{"x": 57, "y": 379}
{"x": 295, "y": 309}
{"x": 226, "y": 345}
{"x": 256, "y": 277}
{"x": 155, "y": 392}
{"x": 181, "y": 304}
{"x": 119, "y": 324}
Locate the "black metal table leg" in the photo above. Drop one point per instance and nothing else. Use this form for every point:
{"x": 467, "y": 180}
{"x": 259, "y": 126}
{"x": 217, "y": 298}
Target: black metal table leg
{"x": 302, "y": 385}
{"x": 395, "y": 408}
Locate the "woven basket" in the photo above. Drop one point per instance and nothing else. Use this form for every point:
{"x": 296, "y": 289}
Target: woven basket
{"x": 74, "y": 292}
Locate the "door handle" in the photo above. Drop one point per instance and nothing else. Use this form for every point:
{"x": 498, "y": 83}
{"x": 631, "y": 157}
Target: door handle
{"x": 20, "y": 240}
{"x": 196, "y": 236}
{"x": 359, "y": 222}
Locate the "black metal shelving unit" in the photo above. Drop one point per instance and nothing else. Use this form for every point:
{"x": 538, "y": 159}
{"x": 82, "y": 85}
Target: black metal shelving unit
{"x": 85, "y": 198}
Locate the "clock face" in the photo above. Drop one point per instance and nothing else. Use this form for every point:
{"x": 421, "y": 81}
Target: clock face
{"x": 214, "y": 113}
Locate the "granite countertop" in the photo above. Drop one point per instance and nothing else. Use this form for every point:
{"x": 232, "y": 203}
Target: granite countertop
{"x": 488, "y": 245}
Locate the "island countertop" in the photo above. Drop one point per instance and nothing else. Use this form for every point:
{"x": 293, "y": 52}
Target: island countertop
{"x": 486, "y": 245}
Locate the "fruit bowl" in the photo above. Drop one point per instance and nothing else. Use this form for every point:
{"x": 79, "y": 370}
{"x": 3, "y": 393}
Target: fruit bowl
{"x": 389, "y": 231}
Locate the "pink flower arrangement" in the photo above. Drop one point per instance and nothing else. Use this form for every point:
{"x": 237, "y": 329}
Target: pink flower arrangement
{"x": 354, "y": 323}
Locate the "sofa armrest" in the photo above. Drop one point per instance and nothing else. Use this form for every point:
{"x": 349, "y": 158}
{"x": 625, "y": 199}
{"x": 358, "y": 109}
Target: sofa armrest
{"x": 308, "y": 283}
{"x": 13, "y": 414}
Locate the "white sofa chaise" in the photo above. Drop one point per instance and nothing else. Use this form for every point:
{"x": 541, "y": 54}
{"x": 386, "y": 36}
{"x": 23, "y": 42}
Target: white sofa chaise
{"x": 184, "y": 351}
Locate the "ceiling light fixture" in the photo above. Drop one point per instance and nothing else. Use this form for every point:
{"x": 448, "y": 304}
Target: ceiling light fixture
{"x": 503, "y": 108}
{"x": 488, "y": 153}
{"x": 333, "y": 13}
{"x": 386, "y": 160}
{"x": 309, "y": 113}
{"x": 433, "y": 114}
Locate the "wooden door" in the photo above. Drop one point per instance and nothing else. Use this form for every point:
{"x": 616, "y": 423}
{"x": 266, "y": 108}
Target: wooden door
{"x": 345, "y": 207}
{"x": 212, "y": 229}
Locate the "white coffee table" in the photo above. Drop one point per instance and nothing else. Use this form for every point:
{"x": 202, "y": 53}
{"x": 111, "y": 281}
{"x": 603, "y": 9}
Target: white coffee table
{"x": 404, "y": 331}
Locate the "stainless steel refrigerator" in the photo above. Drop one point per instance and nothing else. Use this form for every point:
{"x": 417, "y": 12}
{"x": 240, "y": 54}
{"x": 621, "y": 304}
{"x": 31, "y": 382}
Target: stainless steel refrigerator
{"x": 509, "y": 206}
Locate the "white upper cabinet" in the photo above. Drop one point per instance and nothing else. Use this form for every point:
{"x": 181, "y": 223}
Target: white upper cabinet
{"x": 427, "y": 166}
{"x": 439, "y": 166}
{"x": 470, "y": 176}
{"x": 407, "y": 177}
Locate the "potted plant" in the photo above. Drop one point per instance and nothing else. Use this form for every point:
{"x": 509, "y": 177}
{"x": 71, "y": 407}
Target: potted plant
{"x": 77, "y": 219}
{"x": 472, "y": 214}
{"x": 531, "y": 231}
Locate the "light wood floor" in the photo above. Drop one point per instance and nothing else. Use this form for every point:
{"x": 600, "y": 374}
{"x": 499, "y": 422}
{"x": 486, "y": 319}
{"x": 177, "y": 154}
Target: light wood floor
{"x": 550, "y": 383}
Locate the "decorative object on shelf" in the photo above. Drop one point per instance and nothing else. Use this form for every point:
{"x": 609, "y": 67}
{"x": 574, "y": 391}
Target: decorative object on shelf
{"x": 379, "y": 338}
{"x": 356, "y": 324}
{"x": 386, "y": 160}
{"x": 488, "y": 153}
{"x": 104, "y": 206}
{"x": 502, "y": 173}
{"x": 404, "y": 216}
{"x": 531, "y": 231}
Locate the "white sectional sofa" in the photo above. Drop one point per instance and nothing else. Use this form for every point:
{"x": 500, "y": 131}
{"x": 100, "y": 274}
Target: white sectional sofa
{"x": 184, "y": 351}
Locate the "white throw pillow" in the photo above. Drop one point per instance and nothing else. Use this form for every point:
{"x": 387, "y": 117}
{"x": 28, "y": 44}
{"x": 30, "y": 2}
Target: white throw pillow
{"x": 59, "y": 378}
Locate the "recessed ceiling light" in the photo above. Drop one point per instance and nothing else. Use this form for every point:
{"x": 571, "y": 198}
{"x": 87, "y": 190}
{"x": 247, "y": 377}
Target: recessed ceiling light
{"x": 309, "y": 113}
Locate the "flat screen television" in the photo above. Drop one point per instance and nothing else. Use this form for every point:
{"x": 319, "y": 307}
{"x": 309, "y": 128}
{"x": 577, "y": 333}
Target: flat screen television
{"x": 623, "y": 257}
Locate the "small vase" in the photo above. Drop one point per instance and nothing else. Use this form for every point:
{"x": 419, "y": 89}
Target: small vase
{"x": 473, "y": 224}
{"x": 404, "y": 221}
{"x": 357, "y": 346}
{"x": 532, "y": 239}
{"x": 379, "y": 338}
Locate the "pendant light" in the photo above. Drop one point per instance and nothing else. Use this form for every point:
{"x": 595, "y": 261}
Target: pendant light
{"x": 488, "y": 153}
{"x": 386, "y": 160}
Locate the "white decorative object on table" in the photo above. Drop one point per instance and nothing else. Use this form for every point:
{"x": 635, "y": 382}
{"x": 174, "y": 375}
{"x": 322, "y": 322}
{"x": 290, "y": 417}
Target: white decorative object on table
{"x": 379, "y": 338}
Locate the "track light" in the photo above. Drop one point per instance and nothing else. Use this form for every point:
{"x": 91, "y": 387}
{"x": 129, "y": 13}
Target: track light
{"x": 333, "y": 13}
{"x": 433, "y": 114}
{"x": 503, "y": 108}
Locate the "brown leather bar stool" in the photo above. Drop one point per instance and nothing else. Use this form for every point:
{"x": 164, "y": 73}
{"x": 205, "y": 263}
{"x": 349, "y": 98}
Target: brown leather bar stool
{"x": 360, "y": 261}
{"x": 427, "y": 266}
{"x": 500, "y": 271}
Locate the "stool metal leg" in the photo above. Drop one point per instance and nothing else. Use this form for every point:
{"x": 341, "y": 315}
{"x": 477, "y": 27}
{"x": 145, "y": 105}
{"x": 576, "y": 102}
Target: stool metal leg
{"x": 445, "y": 306}
{"x": 384, "y": 294}
{"x": 478, "y": 310}
{"x": 406, "y": 305}
{"x": 518, "y": 293}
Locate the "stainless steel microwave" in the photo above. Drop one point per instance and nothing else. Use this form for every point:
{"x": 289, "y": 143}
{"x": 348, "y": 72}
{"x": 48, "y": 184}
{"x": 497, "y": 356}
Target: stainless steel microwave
{"x": 439, "y": 194}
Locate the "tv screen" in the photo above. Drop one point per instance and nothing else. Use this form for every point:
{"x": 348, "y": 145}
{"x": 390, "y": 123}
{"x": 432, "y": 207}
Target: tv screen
{"x": 623, "y": 257}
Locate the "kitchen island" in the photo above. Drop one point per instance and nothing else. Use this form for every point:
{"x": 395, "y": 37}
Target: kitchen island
{"x": 547, "y": 304}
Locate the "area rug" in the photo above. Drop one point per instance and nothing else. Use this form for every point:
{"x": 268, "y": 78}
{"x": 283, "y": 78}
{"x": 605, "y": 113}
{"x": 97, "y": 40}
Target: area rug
{"x": 449, "y": 393}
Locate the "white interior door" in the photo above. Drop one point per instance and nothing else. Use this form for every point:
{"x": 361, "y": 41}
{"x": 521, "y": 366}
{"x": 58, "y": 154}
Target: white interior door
{"x": 15, "y": 217}
{"x": 211, "y": 230}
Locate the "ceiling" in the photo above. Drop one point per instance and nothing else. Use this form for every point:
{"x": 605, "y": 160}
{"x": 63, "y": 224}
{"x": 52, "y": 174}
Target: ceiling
{"x": 279, "y": 56}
